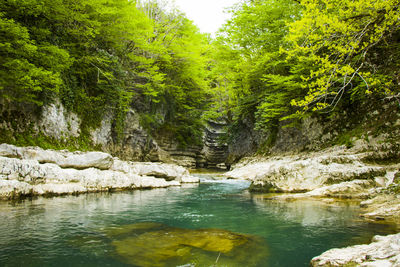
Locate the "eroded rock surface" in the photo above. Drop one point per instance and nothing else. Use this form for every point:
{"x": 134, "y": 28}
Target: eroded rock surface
{"x": 383, "y": 251}
{"x": 34, "y": 171}
{"x": 306, "y": 172}
{"x": 335, "y": 173}
{"x": 382, "y": 207}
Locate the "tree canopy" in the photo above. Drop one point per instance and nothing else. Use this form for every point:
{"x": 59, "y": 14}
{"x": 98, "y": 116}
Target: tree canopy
{"x": 285, "y": 59}
{"x": 272, "y": 61}
{"x": 98, "y": 55}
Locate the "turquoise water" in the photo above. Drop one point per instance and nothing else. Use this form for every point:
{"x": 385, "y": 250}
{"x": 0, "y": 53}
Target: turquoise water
{"x": 66, "y": 231}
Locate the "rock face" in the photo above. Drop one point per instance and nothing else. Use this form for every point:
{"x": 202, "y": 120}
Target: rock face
{"x": 57, "y": 122}
{"x": 135, "y": 144}
{"x": 34, "y": 171}
{"x": 215, "y": 152}
{"x": 383, "y": 251}
{"x": 189, "y": 157}
{"x": 306, "y": 172}
{"x": 210, "y": 154}
{"x": 382, "y": 207}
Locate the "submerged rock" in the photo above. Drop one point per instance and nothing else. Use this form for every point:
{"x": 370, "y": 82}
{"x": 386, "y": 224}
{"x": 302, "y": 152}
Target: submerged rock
{"x": 383, "y": 251}
{"x": 153, "y": 244}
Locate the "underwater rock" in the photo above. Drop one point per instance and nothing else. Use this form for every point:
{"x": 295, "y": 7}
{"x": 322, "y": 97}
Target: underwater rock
{"x": 153, "y": 244}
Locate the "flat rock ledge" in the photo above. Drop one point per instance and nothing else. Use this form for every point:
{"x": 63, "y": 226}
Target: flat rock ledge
{"x": 307, "y": 172}
{"x": 30, "y": 171}
{"x": 383, "y": 251}
{"x": 383, "y": 207}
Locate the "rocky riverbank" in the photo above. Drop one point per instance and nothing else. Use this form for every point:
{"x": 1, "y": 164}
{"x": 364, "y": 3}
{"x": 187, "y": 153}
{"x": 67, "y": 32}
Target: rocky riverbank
{"x": 306, "y": 172}
{"x": 383, "y": 251}
{"x": 337, "y": 172}
{"x": 31, "y": 171}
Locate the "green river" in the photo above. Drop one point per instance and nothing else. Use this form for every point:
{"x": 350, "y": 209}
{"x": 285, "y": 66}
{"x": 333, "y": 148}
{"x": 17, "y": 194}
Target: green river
{"x": 216, "y": 223}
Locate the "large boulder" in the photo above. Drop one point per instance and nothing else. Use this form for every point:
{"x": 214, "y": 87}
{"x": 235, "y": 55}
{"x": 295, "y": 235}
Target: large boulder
{"x": 64, "y": 159}
{"x": 383, "y": 251}
{"x": 160, "y": 170}
{"x": 165, "y": 171}
{"x": 305, "y": 172}
{"x": 98, "y": 160}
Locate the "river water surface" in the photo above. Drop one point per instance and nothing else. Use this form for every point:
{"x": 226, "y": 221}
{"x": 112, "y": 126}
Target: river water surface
{"x": 74, "y": 230}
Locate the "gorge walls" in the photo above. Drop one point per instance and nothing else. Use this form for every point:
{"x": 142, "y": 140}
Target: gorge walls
{"x": 53, "y": 126}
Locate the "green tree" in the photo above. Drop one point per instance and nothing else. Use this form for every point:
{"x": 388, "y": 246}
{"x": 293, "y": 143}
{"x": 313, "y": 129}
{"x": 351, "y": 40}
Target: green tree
{"x": 263, "y": 81}
{"x": 342, "y": 40}
{"x": 29, "y": 71}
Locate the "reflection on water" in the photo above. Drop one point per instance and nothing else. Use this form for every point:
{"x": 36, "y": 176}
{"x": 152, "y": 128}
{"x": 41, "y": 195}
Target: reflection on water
{"x": 72, "y": 230}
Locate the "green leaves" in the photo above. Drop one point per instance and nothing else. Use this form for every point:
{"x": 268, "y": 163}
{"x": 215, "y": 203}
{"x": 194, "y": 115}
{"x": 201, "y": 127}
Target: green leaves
{"x": 339, "y": 36}
{"x": 98, "y": 55}
{"x": 27, "y": 70}
{"x": 283, "y": 60}
{"x": 257, "y": 78}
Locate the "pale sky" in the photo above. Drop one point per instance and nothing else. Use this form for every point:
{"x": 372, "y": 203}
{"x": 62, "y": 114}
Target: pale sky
{"x": 208, "y": 15}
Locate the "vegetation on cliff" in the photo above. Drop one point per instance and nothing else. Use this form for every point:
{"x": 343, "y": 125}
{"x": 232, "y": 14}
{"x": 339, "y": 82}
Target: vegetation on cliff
{"x": 273, "y": 61}
{"x": 104, "y": 55}
{"x": 288, "y": 59}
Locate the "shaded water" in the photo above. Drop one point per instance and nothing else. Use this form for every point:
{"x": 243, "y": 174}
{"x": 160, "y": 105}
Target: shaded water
{"x": 69, "y": 230}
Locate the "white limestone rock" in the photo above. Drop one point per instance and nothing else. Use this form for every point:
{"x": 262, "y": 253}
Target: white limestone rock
{"x": 152, "y": 182}
{"x": 21, "y": 170}
{"x": 58, "y": 189}
{"x": 9, "y": 151}
{"x": 41, "y": 155}
{"x": 98, "y": 160}
{"x": 160, "y": 170}
{"x": 382, "y": 207}
{"x": 64, "y": 159}
{"x": 58, "y": 123}
{"x": 383, "y": 251}
{"x": 10, "y": 189}
{"x": 306, "y": 172}
{"x": 32, "y": 170}
{"x": 352, "y": 189}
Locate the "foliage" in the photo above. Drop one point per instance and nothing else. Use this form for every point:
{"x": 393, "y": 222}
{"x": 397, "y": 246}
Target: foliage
{"x": 341, "y": 38}
{"x": 102, "y": 55}
{"x": 28, "y": 71}
{"x": 282, "y": 60}
{"x": 258, "y": 80}
{"x": 273, "y": 61}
